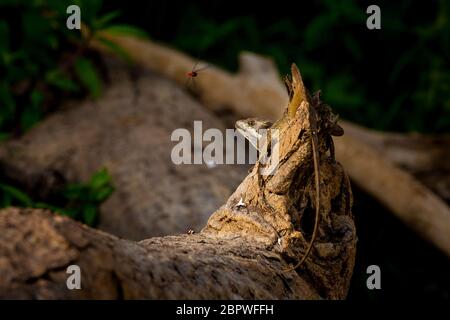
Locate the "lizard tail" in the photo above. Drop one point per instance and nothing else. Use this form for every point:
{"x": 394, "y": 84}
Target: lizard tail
{"x": 316, "y": 222}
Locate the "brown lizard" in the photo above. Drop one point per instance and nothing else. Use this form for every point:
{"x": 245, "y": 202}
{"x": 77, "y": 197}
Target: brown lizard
{"x": 250, "y": 129}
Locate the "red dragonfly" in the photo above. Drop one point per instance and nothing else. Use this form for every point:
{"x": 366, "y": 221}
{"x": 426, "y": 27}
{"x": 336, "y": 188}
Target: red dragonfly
{"x": 191, "y": 75}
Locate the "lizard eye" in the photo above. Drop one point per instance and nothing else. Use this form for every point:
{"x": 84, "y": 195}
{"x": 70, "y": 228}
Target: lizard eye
{"x": 251, "y": 122}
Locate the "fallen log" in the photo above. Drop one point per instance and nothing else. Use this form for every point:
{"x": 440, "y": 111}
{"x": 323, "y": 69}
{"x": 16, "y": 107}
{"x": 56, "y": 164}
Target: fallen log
{"x": 254, "y": 90}
{"x": 425, "y": 156}
{"x": 244, "y": 251}
{"x": 398, "y": 190}
{"x": 36, "y": 248}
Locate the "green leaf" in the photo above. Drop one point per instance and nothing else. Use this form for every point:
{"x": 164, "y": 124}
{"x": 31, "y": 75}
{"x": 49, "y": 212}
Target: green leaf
{"x": 36, "y": 98}
{"x": 29, "y": 117}
{"x": 102, "y": 194}
{"x": 64, "y": 212}
{"x": 125, "y": 29}
{"x": 100, "y": 179}
{"x": 42, "y": 205}
{"x": 74, "y": 191}
{"x": 105, "y": 19}
{"x": 6, "y": 201}
{"x": 60, "y": 80}
{"x": 89, "y": 215}
{"x": 88, "y": 76}
{"x": 17, "y": 194}
{"x": 115, "y": 48}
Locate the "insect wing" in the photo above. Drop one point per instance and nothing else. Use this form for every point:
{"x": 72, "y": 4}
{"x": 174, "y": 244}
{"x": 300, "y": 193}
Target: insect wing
{"x": 202, "y": 68}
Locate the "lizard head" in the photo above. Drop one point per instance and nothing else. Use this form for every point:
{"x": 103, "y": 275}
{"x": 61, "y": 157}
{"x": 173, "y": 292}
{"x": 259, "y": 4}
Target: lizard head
{"x": 250, "y": 129}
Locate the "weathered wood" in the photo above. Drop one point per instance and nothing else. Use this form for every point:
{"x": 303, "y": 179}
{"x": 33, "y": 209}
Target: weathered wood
{"x": 243, "y": 252}
{"x": 279, "y": 209}
{"x": 409, "y": 199}
{"x": 255, "y": 87}
{"x": 36, "y": 247}
{"x": 425, "y": 156}
{"x": 235, "y": 260}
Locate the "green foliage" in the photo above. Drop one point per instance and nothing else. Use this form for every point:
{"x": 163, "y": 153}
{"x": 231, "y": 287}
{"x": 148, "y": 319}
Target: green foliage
{"x": 113, "y": 47}
{"x": 13, "y": 196}
{"x": 42, "y": 61}
{"x": 79, "y": 201}
{"x": 59, "y": 80}
{"x": 396, "y": 78}
{"x": 87, "y": 75}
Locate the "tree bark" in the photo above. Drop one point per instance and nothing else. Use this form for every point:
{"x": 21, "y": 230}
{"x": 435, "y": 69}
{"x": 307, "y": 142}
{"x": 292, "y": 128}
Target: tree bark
{"x": 243, "y": 252}
{"x": 36, "y": 247}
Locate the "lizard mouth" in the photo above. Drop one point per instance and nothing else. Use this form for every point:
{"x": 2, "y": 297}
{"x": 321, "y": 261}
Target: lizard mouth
{"x": 240, "y": 125}
{"x": 246, "y": 131}
{"x": 243, "y": 128}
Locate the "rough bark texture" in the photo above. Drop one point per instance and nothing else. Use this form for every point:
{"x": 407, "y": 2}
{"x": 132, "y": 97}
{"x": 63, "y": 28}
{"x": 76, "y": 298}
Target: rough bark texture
{"x": 127, "y": 131}
{"x": 36, "y": 247}
{"x": 243, "y": 252}
{"x": 279, "y": 209}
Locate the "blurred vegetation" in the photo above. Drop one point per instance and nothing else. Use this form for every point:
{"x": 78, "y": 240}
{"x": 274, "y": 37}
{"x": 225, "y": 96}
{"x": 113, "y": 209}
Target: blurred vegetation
{"x": 396, "y": 78}
{"x": 79, "y": 201}
{"x": 42, "y": 63}
{"x": 335, "y": 53}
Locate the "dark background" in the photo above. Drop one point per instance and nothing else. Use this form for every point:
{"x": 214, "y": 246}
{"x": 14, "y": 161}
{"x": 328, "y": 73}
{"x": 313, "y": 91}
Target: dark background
{"x": 395, "y": 79}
